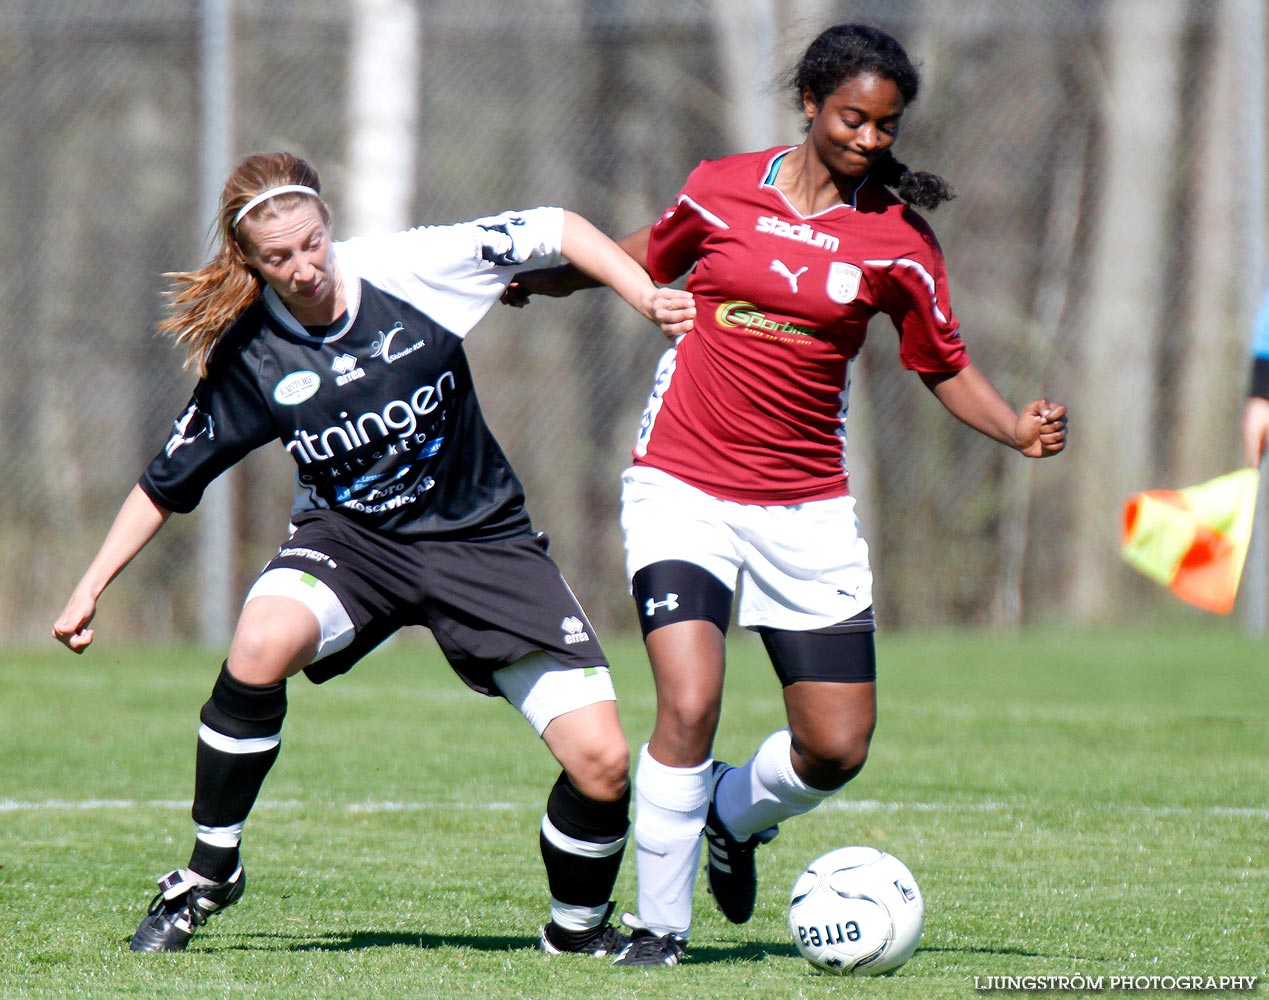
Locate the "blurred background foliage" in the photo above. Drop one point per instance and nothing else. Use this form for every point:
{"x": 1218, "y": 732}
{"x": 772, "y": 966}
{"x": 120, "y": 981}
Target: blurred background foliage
{"x": 1105, "y": 250}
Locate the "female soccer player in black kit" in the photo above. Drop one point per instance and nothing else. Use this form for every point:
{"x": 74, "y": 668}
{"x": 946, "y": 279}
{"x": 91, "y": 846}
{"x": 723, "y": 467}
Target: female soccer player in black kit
{"x": 406, "y": 513}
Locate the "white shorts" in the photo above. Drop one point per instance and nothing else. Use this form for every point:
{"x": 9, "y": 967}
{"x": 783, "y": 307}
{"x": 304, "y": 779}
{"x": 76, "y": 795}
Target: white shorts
{"x": 800, "y": 567}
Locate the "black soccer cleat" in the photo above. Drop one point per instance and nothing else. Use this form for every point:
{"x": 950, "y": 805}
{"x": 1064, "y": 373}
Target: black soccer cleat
{"x": 598, "y": 941}
{"x": 733, "y": 877}
{"x": 184, "y": 903}
{"x": 648, "y": 949}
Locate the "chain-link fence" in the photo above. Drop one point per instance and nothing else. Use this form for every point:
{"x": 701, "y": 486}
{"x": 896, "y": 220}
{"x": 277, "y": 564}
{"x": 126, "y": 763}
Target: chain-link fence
{"x": 1104, "y": 250}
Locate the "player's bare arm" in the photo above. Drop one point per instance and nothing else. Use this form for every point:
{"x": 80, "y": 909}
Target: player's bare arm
{"x": 1037, "y": 432}
{"x": 561, "y": 282}
{"x": 138, "y": 520}
{"x": 605, "y": 262}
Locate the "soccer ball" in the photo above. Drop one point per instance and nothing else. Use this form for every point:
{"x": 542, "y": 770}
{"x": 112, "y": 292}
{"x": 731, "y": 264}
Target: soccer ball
{"x": 856, "y": 911}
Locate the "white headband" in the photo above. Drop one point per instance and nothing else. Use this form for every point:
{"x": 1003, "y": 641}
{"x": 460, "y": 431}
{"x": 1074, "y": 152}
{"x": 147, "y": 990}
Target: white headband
{"x": 273, "y": 193}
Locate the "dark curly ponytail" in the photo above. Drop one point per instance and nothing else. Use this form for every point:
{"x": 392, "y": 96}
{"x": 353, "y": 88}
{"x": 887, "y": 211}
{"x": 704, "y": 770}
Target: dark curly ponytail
{"x": 849, "y": 50}
{"x": 916, "y": 187}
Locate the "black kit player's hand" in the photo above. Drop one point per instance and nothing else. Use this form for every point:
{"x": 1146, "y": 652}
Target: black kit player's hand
{"x": 554, "y": 282}
{"x": 71, "y": 628}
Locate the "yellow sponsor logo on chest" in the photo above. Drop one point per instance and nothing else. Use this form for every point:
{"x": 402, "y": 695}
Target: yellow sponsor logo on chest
{"x": 745, "y": 315}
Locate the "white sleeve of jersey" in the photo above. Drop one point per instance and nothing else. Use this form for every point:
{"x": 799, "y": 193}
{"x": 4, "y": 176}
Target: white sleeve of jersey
{"x": 455, "y": 273}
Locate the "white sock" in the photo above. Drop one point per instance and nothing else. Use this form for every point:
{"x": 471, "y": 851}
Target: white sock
{"x": 573, "y": 917}
{"x": 219, "y": 836}
{"x": 765, "y": 790}
{"x": 670, "y": 808}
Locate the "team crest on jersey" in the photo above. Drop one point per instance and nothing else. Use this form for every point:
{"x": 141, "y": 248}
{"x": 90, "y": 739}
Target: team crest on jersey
{"x": 843, "y": 281}
{"x": 383, "y": 346}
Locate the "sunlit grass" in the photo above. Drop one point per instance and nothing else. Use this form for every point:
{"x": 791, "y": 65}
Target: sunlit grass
{"x": 1071, "y": 804}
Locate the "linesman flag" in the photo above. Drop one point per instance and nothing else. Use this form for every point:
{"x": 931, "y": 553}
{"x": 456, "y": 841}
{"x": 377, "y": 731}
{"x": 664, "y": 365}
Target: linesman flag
{"x": 1194, "y": 540}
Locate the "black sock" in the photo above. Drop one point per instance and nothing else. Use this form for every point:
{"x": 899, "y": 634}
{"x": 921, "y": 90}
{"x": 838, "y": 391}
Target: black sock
{"x": 582, "y": 844}
{"x": 237, "y": 744}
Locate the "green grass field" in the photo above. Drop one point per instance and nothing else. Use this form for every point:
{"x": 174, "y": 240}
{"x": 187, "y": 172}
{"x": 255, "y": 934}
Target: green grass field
{"x": 1071, "y": 805}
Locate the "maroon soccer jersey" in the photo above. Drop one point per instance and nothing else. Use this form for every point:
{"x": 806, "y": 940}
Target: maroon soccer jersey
{"x": 751, "y": 406}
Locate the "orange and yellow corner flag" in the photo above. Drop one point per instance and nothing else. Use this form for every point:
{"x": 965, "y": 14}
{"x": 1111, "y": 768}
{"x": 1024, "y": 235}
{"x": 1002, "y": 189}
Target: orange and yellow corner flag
{"x": 1194, "y": 540}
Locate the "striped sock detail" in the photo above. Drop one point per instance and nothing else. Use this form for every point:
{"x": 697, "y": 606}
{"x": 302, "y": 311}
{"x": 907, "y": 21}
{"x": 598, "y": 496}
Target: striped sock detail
{"x": 234, "y": 745}
{"x": 580, "y": 848}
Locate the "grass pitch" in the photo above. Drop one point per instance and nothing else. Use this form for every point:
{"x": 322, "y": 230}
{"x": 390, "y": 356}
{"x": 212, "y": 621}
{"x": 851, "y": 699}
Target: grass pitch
{"x": 1087, "y": 805}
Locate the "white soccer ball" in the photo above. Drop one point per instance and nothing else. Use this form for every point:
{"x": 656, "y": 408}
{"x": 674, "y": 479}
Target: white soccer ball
{"x": 856, "y": 911}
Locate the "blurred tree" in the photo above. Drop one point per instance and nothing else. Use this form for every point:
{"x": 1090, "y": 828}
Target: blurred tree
{"x": 1203, "y": 408}
{"x": 1117, "y": 399}
{"x": 383, "y": 99}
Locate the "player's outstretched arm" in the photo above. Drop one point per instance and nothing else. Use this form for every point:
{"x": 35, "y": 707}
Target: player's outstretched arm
{"x": 1037, "y": 432}
{"x": 560, "y": 282}
{"x": 138, "y": 520}
{"x": 606, "y": 262}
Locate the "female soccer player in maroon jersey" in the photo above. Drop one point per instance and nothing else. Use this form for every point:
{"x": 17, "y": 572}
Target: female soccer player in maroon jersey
{"x": 739, "y": 466}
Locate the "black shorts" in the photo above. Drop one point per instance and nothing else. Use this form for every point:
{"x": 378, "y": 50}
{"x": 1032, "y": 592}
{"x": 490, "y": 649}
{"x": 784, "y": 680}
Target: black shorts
{"x": 488, "y": 603}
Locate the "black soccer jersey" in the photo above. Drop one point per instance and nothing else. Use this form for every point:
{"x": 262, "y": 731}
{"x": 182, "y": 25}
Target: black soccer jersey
{"x": 378, "y": 412}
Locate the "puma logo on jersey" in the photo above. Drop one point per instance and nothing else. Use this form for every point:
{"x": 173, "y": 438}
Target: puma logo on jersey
{"x": 791, "y": 277}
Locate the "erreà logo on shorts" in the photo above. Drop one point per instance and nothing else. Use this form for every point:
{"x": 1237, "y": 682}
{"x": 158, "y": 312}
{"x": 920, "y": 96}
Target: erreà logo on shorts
{"x": 296, "y": 387}
{"x": 574, "y": 630}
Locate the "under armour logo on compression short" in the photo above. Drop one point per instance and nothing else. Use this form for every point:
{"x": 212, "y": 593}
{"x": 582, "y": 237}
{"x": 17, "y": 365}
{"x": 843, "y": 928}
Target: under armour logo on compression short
{"x": 670, "y": 603}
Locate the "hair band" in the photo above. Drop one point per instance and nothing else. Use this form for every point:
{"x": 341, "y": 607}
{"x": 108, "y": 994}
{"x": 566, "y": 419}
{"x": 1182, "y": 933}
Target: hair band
{"x": 273, "y": 192}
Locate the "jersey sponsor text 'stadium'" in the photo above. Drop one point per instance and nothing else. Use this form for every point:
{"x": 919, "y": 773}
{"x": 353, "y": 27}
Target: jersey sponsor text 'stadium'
{"x": 379, "y": 411}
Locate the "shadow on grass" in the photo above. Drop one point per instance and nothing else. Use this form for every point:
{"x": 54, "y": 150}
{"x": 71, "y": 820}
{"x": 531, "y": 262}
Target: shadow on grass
{"x": 1015, "y": 952}
{"x": 750, "y": 951}
{"x": 699, "y": 954}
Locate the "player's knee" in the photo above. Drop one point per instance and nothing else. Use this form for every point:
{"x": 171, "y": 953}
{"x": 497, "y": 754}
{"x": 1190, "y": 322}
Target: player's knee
{"x": 685, "y": 729}
{"x": 599, "y": 767}
{"x": 603, "y": 774}
{"x": 833, "y": 758}
{"x": 242, "y": 710}
{"x": 268, "y": 650}
{"x": 690, "y": 713}
{"x": 253, "y": 659}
